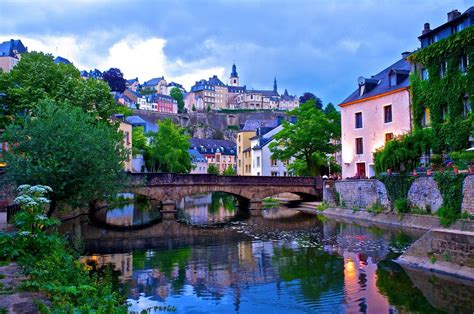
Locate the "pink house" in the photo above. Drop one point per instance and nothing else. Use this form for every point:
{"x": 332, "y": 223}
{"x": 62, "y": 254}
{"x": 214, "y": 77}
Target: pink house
{"x": 163, "y": 103}
{"x": 374, "y": 114}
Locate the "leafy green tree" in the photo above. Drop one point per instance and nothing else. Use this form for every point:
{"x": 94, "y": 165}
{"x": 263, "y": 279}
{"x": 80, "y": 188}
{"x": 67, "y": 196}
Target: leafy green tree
{"x": 229, "y": 171}
{"x": 178, "y": 96}
{"x": 310, "y": 140}
{"x": 212, "y": 169}
{"x": 310, "y": 96}
{"x": 147, "y": 91}
{"x": 36, "y": 77}
{"x": 194, "y": 107}
{"x": 208, "y": 108}
{"x": 168, "y": 149}
{"x": 139, "y": 141}
{"x": 114, "y": 77}
{"x": 72, "y": 152}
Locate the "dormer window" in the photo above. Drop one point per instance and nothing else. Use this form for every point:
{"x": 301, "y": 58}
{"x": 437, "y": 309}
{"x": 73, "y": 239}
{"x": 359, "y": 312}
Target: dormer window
{"x": 393, "y": 79}
{"x": 361, "y": 90}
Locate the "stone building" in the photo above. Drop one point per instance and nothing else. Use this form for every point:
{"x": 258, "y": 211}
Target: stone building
{"x": 159, "y": 84}
{"x": 10, "y": 54}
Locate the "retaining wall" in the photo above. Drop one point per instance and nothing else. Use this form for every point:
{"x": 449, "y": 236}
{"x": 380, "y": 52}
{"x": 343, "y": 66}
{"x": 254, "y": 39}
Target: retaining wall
{"x": 424, "y": 193}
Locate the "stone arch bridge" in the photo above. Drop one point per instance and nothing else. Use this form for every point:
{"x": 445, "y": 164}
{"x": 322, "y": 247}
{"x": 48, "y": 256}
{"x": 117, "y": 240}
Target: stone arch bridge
{"x": 171, "y": 187}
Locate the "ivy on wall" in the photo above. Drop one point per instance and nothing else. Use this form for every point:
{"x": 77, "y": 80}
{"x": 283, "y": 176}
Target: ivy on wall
{"x": 450, "y": 186}
{"x": 397, "y": 186}
{"x": 444, "y": 91}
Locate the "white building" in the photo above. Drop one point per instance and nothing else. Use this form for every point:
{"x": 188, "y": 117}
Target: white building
{"x": 261, "y": 156}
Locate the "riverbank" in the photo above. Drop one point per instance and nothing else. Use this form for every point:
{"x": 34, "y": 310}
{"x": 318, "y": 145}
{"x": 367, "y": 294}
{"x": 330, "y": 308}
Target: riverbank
{"x": 444, "y": 250}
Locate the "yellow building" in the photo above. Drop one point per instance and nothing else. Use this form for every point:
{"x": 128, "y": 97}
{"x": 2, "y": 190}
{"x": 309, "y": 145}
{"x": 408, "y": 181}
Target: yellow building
{"x": 244, "y": 160}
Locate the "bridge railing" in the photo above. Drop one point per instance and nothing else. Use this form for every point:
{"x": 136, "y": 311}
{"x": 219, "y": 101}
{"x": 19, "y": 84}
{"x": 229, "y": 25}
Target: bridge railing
{"x": 154, "y": 179}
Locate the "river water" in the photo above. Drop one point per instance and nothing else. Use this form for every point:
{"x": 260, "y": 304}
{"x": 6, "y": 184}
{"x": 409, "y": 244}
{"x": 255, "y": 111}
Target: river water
{"x": 219, "y": 259}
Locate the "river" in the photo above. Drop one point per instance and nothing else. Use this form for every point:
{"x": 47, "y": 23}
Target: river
{"x": 219, "y": 259}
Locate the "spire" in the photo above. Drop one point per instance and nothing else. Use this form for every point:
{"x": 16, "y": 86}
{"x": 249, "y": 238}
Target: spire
{"x": 275, "y": 88}
{"x": 234, "y": 71}
{"x": 286, "y": 93}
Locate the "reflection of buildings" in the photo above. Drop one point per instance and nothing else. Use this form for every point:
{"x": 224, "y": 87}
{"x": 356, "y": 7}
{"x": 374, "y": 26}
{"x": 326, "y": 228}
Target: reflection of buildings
{"x": 122, "y": 262}
{"x": 206, "y": 208}
{"x": 361, "y": 292}
{"x": 130, "y": 215}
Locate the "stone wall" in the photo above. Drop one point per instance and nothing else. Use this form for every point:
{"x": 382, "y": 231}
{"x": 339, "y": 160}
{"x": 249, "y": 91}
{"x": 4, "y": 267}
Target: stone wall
{"x": 361, "y": 193}
{"x": 424, "y": 194}
{"x": 450, "y": 251}
{"x": 468, "y": 192}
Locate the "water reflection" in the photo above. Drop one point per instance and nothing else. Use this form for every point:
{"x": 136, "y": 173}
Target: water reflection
{"x": 207, "y": 208}
{"x": 306, "y": 266}
{"x": 128, "y": 210}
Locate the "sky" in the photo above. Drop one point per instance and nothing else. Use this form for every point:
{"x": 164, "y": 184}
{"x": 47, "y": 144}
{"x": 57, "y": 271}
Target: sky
{"x": 316, "y": 46}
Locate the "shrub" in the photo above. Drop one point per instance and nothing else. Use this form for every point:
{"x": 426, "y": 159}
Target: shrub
{"x": 322, "y": 207}
{"x": 376, "y": 208}
{"x": 450, "y": 186}
{"x": 402, "y": 206}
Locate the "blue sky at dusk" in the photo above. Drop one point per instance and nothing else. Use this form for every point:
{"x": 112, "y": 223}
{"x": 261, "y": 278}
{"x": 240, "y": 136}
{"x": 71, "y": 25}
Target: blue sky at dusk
{"x": 317, "y": 46}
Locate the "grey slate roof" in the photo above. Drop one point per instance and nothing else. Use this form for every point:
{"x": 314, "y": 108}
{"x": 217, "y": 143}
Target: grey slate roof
{"x": 7, "y": 47}
{"x": 59, "y": 59}
{"x": 254, "y": 124}
{"x": 382, "y": 82}
{"x": 196, "y": 155}
{"x": 153, "y": 82}
{"x": 468, "y": 13}
{"x": 208, "y": 146}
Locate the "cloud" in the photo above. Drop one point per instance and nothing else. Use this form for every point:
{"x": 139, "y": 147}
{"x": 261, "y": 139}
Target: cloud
{"x": 350, "y": 45}
{"x": 135, "y": 57}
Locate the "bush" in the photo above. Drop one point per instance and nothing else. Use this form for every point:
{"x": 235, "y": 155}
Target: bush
{"x": 322, "y": 207}
{"x": 397, "y": 186}
{"x": 51, "y": 265}
{"x": 402, "y": 206}
{"x": 450, "y": 186}
{"x": 376, "y": 208}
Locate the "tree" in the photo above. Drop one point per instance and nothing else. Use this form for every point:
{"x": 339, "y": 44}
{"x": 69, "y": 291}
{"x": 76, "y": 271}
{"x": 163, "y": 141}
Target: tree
{"x": 229, "y": 171}
{"x": 310, "y": 140}
{"x": 114, "y": 77}
{"x": 76, "y": 155}
{"x": 194, "y": 107}
{"x": 308, "y": 96}
{"x": 178, "y": 96}
{"x": 212, "y": 169}
{"x": 36, "y": 77}
{"x": 168, "y": 149}
{"x": 147, "y": 91}
{"x": 208, "y": 108}
{"x": 139, "y": 141}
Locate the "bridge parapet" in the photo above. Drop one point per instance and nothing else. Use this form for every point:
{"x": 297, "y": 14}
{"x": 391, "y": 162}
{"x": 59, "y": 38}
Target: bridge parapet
{"x": 157, "y": 179}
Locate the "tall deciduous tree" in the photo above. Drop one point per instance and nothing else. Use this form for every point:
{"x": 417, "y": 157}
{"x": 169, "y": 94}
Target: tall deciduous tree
{"x": 178, "y": 96}
{"x": 308, "y": 96}
{"x": 310, "y": 140}
{"x": 36, "y": 77}
{"x": 168, "y": 149}
{"x": 80, "y": 158}
{"x": 114, "y": 77}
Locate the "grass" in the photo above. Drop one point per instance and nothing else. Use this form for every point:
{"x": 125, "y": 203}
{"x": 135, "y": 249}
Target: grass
{"x": 322, "y": 207}
{"x": 376, "y": 208}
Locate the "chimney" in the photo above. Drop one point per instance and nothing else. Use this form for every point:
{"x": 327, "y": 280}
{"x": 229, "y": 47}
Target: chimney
{"x": 453, "y": 14}
{"x": 426, "y": 29}
{"x": 405, "y": 54}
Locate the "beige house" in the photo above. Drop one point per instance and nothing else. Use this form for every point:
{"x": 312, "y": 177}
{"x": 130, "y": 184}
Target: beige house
{"x": 244, "y": 161}
{"x": 126, "y": 129}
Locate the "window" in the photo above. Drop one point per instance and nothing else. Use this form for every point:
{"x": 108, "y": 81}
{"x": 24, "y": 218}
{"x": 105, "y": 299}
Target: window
{"x": 425, "y": 75}
{"x": 467, "y": 105}
{"x": 387, "y": 114}
{"x": 258, "y": 161}
{"x": 464, "y": 63}
{"x": 393, "y": 79}
{"x": 274, "y": 174}
{"x": 358, "y": 120}
{"x": 443, "y": 69}
{"x": 388, "y": 137}
{"x": 444, "y": 112}
{"x": 426, "y": 119}
{"x": 359, "y": 146}
{"x": 273, "y": 162}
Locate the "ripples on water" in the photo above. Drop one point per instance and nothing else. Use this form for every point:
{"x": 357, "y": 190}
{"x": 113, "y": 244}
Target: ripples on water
{"x": 292, "y": 265}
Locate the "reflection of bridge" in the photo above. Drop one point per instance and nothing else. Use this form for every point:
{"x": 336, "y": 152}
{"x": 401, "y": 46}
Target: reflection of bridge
{"x": 169, "y": 187}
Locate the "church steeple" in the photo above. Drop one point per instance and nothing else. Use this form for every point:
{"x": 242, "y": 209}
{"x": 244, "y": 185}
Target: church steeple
{"x": 275, "y": 88}
{"x": 234, "y": 76}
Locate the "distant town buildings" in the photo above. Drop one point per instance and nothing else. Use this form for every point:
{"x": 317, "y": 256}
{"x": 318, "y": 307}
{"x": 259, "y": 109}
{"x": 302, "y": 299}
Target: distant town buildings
{"x": 10, "y": 54}
{"x": 199, "y": 162}
{"x": 213, "y": 94}
{"x": 220, "y": 153}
